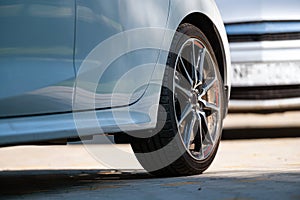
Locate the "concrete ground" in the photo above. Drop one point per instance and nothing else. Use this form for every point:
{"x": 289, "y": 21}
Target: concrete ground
{"x": 243, "y": 169}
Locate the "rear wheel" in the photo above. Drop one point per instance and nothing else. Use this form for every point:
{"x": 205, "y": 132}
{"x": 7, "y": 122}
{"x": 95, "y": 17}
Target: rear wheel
{"x": 192, "y": 101}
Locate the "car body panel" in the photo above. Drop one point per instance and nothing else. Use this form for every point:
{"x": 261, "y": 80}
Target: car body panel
{"x": 98, "y": 21}
{"x": 36, "y": 57}
{"x": 141, "y": 112}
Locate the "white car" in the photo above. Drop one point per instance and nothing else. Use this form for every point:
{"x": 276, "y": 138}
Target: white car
{"x": 264, "y": 37}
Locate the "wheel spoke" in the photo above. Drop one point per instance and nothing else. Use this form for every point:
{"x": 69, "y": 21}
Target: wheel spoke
{"x": 183, "y": 90}
{"x": 212, "y": 107}
{"x": 186, "y": 72}
{"x": 202, "y": 115}
{"x": 185, "y": 113}
{"x": 194, "y": 67}
{"x": 207, "y": 136}
{"x": 190, "y": 132}
{"x": 200, "y": 64}
{"x": 208, "y": 85}
{"x": 200, "y": 150}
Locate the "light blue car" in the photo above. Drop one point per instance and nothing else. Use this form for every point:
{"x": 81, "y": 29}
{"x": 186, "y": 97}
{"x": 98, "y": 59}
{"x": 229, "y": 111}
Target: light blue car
{"x": 153, "y": 73}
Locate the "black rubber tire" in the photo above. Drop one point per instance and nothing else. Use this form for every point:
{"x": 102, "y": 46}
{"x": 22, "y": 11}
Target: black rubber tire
{"x": 184, "y": 164}
{"x": 121, "y": 138}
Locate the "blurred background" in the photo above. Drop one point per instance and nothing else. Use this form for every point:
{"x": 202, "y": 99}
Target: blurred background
{"x": 264, "y": 38}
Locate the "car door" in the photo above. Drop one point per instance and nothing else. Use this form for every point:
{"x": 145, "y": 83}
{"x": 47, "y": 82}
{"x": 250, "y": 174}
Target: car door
{"x": 36, "y": 56}
{"x": 101, "y": 23}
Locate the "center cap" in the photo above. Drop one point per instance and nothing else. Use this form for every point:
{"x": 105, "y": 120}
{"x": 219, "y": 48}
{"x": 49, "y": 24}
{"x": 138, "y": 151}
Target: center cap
{"x": 194, "y": 97}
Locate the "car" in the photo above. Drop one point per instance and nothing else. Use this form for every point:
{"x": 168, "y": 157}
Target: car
{"x": 153, "y": 73}
{"x": 265, "y": 46}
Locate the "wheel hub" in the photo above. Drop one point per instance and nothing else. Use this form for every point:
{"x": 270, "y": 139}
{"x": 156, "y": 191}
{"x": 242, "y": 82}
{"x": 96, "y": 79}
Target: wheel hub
{"x": 194, "y": 100}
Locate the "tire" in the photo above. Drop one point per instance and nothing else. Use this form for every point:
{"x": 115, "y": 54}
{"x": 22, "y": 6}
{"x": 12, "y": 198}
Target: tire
{"x": 191, "y": 106}
{"x": 121, "y": 138}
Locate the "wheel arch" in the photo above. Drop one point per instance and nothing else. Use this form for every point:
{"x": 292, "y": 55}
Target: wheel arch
{"x": 209, "y": 29}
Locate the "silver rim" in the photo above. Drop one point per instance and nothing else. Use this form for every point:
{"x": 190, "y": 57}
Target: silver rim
{"x": 196, "y": 99}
